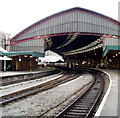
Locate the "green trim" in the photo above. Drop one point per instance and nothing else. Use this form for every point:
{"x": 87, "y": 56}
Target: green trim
{"x": 1, "y": 53}
{"x": 110, "y": 47}
{"x": 34, "y": 54}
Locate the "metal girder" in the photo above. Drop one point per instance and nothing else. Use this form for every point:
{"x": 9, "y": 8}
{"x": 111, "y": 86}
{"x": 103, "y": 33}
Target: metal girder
{"x": 92, "y": 46}
{"x": 42, "y": 37}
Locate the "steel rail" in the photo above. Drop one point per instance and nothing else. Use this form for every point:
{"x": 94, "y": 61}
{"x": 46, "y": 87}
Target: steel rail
{"x": 84, "y": 105}
{"x": 30, "y": 77}
{"x": 39, "y": 88}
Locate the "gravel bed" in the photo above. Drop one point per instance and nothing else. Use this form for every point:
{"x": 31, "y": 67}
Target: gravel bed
{"x": 27, "y": 84}
{"x": 42, "y": 102}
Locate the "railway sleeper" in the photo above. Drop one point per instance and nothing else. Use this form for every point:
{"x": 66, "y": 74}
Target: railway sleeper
{"x": 88, "y": 100}
{"x": 82, "y": 105}
{"x": 89, "y": 96}
{"x": 81, "y": 108}
{"x": 78, "y": 111}
{"x": 71, "y": 116}
{"x": 76, "y": 114}
{"x": 84, "y": 102}
{"x": 85, "y": 105}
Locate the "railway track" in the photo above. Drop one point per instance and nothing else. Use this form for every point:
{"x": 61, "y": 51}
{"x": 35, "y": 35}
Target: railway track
{"x": 7, "y": 80}
{"x": 84, "y": 106}
{"x": 39, "y": 88}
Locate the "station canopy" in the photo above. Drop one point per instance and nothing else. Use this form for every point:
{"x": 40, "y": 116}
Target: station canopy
{"x": 73, "y": 33}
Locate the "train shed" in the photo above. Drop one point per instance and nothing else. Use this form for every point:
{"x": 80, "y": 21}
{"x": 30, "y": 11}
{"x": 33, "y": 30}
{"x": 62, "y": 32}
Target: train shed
{"x": 77, "y": 34}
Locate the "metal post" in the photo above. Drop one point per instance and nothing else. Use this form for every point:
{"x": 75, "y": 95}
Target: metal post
{"x": 0, "y": 65}
{"x": 30, "y": 63}
{"x": 4, "y": 65}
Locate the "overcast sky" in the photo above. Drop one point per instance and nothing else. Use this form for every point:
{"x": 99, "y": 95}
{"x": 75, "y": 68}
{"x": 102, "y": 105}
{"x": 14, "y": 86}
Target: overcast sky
{"x": 16, "y": 15}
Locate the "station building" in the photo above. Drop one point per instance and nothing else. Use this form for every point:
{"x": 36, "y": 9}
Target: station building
{"x": 80, "y": 36}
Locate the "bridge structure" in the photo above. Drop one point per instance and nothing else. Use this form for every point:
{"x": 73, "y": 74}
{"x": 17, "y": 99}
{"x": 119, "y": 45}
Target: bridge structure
{"x": 79, "y": 35}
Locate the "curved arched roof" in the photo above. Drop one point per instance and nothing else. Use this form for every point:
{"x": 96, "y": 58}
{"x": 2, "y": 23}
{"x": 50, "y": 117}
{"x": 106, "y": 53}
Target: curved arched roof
{"x": 69, "y": 31}
{"x": 65, "y": 12}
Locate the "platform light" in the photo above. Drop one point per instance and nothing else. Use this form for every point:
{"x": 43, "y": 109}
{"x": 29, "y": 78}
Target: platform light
{"x": 76, "y": 64}
{"x": 110, "y": 60}
{"x": 36, "y": 59}
{"x": 31, "y": 56}
{"x": 25, "y": 55}
{"x": 83, "y": 62}
{"x": 89, "y": 63}
{"x": 20, "y": 60}
{"x": 116, "y": 54}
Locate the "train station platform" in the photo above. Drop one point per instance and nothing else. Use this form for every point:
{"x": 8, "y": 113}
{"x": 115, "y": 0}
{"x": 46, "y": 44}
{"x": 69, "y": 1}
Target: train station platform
{"x": 110, "y": 103}
{"x": 13, "y": 73}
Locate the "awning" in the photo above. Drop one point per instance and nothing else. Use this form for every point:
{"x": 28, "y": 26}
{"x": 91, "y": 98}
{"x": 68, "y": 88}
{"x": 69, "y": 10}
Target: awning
{"x": 5, "y": 58}
{"x": 110, "y": 47}
{"x": 34, "y": 54}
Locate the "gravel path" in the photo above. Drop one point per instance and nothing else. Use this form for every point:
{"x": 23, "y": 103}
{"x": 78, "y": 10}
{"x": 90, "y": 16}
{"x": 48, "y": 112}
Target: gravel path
{"x": 44, "y": 101}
